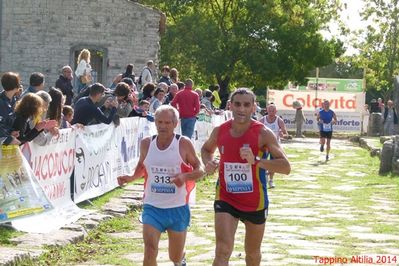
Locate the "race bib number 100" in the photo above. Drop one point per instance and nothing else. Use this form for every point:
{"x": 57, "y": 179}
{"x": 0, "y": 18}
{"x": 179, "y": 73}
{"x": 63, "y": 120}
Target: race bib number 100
{"x": 160, "y": 179}
{"x": 238, "y": 177}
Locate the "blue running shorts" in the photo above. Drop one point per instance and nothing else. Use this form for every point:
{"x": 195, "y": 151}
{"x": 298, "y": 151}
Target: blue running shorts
{"x": 176, "y": 219}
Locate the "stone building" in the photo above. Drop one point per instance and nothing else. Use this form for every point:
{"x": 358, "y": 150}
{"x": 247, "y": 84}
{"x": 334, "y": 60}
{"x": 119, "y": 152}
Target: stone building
{"x": 44, "y": 35}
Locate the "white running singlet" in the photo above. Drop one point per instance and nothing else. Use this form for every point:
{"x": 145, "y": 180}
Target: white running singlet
{"x": 274, "y": 126}
{"x": 161, "y": 167}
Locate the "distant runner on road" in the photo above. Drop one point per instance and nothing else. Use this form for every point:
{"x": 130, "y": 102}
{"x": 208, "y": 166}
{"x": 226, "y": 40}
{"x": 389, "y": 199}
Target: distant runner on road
{"x": 326, "y": 118}
{"x": 277, "y": 125}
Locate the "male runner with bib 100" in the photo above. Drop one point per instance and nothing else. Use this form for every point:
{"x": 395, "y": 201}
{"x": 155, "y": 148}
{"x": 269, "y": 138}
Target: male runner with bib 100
{"x": 241, "y": 188}
{"x": 170, "y": 166}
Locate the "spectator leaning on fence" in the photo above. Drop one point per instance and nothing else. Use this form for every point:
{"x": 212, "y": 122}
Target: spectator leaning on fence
{"x": 29, "y": 111}
{"x": 86, "y": 111}
{"x": 11, "y": 83}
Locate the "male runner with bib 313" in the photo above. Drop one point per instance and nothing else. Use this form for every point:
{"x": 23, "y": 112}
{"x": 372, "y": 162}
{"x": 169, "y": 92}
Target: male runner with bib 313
{"x": 170, "y": 166}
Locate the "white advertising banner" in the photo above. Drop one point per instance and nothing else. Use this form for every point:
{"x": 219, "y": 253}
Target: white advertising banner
{"x": 128, "y": 147}
{"x": 20, "y": 192}
{"x": 53, "y": 165}
{"x": 96, "y": 167}
{"x": 346, "y": 105}
{"x": 346, "y": 122}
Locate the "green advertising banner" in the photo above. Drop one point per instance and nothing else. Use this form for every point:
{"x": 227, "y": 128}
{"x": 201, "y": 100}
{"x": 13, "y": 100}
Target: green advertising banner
{"x": 330, "y": 84}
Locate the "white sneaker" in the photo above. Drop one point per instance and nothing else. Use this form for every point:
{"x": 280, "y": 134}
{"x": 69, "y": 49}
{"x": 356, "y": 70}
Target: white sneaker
{"x": 271, "y": 184}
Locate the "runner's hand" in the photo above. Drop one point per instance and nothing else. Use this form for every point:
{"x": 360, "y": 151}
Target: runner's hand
{"x": 15, "y": 133}
{"x": 122, "y": 180}
{"x": 178, "y": 180}
{"x": 15, "y": 141}
{"x": 211, "y": 167}
{"x": 246, "y": 154}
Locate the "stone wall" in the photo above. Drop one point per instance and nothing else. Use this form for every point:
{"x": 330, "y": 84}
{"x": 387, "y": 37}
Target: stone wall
{"x": 43, "y": 35}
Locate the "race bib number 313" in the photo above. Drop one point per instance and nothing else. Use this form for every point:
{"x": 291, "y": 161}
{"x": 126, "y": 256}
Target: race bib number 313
{"x": 238, "y": 177}
{"x": 160, "y": 179}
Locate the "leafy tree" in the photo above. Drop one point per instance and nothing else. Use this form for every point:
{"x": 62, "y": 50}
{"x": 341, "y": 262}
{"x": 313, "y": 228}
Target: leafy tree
{"x": 379, "y": 48}
{"x": 345, "y": 67}
{"x": 253, "y": 43}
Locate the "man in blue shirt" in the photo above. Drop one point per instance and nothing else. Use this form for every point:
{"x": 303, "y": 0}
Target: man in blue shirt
{"x": 326, "y": 118}
{"x": 86, "y": 111}
{"x": 36, "y": 83}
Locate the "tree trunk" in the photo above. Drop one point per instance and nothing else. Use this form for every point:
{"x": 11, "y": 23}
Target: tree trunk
{"x": 224, "y": 89}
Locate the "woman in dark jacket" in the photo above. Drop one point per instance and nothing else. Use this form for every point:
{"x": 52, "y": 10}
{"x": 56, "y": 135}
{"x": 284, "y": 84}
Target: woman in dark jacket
{"x": 29, "y": 108}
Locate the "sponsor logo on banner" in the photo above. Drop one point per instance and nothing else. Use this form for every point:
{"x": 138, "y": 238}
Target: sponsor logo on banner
{"x": 346, "y": 105}
{"x": 96, "y": 163}
{"x": 339, "y": 101}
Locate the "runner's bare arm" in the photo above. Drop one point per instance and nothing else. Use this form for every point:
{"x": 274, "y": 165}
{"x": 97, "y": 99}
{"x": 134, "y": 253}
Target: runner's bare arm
{"x": 140, "y": 169}
{"x": 282, "y": 127}
{"x": 280, "y": 163}
{"x": 207, "y": 151}
{"x": 334, "y": 118}
{"x": 189, "y": 156}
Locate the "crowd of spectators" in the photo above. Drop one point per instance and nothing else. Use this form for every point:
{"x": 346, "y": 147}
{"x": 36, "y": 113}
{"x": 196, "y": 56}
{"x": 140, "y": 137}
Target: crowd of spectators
{"x": 38, "y": 112}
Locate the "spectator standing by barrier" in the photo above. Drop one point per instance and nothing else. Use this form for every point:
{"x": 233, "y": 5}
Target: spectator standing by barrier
{"x": 241, "y": 190}
{"x": 174, "y": 75}
{"x": 123, "y": 95}
{"x": 64, "y": 83}
{"x": 129, "y": 73}
{"x": 173, "y": 89}
{"x": 36, "y": 83}
{"x": 365, "y": 118}
{"x": 83, "y": 71}
{"x": 299, "y": 119}
{"x": 146, "y": 74}
{"x": 148, "y": 91}
{"x": 207, "y": 99}
{"x": 165, "y": 76}
{"x": 188, "y": 104}
{"x": 67, "y": 116}
{"x": 215, "y": 92}
{"x": 29, "y": 110}
{"x": 157, "y": 100}
{"x": 381, "y": 105}
{"x": 170, "y": 166}
{"x": 54, "y": 111}
{"x": 11, "y": 84}
{"x": 48, "y": 133}
{"x": 390, "y": 119}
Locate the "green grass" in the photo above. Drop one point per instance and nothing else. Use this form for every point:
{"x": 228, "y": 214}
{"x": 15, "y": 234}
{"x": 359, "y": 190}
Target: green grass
{"x": 98, "y": 202}
{"x": 98, "y": 245}
{"x": 100, "y": 248}
{"x": 7, "y": 233}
